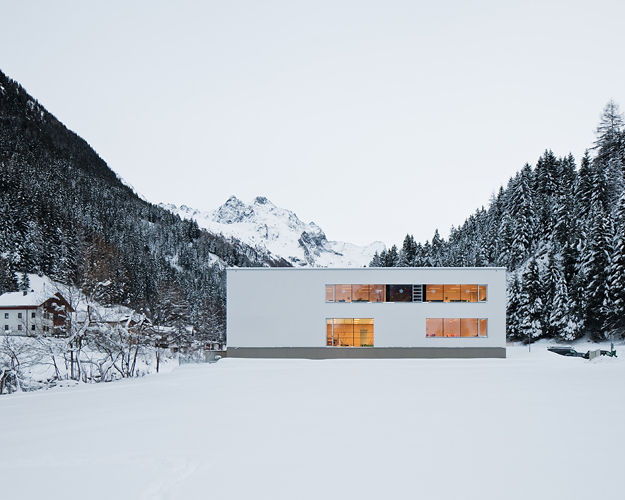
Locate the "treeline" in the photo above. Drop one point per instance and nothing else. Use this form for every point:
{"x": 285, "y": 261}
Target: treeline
{"x": 65, "y": 214}
{"x": 559, "y": 229}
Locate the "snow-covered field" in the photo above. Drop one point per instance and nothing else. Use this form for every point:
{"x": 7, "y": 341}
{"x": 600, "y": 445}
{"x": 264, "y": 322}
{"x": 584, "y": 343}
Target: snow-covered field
{"x": 533, "y": 426}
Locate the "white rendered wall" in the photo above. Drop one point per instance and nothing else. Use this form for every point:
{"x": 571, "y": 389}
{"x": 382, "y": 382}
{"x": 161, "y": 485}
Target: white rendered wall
{"x": 14, "y": 322}
{"x": 286, "y": 307}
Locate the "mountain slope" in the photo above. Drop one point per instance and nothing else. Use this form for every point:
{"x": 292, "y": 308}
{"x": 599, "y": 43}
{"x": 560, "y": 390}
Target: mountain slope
{"x": 65, "y": 214}
{"x": 279, "y": 234}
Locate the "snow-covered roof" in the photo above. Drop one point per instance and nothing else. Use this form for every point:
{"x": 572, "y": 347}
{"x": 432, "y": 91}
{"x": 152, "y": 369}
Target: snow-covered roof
{"x": 18, "y": 299}
{"x": 40, "y": 290}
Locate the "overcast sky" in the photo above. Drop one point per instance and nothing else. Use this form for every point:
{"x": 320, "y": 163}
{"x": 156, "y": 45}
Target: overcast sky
{"x": 372, "y": 119}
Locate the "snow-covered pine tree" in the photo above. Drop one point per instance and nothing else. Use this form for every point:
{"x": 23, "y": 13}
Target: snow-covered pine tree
{"x": 595, "y": 262}
{"x": 531, "y": 308}
{"x": 513, "y": 304}
{"x": 614, "y": 302}
{"x": 376, "y": 261}
{"x": 437, "y": 250}
{"x": 391, "y": 258}
{"x": 523, "y": 216}
{"x": 609, "y": 137}
{"x": 407, "y": 253}
{"x": 545, "y": 191}
{"x": 562, "y": 323}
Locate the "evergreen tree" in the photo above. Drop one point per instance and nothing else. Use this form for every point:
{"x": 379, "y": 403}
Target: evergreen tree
{"x": 391, "y": 258}
{"x": 8, "y": 279}
{"x": 531, "y": 309}
{"x": 513, "y": 331}
{"x": 24, "y": 283}
{"x": 437, "y": 250}
{"x": 376, "y": 261}
{"x": 609, "y": 137}
{"x": 613, "y": 307}
{"x": 583, "y": 190}
{"x": 524, "y": 217}
{"x": 594, "y": 266}
{"x": 408, "y": 252}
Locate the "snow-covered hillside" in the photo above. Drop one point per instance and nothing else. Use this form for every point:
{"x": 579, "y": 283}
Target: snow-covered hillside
{"x": 278, "y": 231}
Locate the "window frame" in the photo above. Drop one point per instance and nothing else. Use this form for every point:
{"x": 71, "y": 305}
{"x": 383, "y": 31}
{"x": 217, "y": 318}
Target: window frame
{"x": 331, "y": 339}
{"x": 444, "y": 322}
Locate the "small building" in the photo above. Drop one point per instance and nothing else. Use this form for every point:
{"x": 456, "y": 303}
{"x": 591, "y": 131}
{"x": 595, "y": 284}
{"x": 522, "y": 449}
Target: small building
{"x": 30, "y": 313}
{"x": 321, "y": 313}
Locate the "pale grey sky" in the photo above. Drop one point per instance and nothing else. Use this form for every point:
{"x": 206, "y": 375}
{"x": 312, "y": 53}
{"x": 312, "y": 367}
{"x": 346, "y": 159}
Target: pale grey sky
{"x": 372, "y": 119}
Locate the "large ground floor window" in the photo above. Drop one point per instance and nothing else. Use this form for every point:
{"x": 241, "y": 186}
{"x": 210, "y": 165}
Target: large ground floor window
{"x": 456, "y": 327}
{"x": 349, "y": 332}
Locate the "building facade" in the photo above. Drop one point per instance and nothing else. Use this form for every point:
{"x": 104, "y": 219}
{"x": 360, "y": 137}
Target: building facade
{"x": 28, "y": 313}
{"x": 322, "y": 313}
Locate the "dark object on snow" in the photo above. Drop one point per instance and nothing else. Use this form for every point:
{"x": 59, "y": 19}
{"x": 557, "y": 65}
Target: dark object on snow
{"x": 567, "y": 351}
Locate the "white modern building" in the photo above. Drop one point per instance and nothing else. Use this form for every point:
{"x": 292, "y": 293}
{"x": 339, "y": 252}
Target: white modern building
{"x": 321, "y": 313}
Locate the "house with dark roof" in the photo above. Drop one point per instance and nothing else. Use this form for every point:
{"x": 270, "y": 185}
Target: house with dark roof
{"x": 29, "y": 313}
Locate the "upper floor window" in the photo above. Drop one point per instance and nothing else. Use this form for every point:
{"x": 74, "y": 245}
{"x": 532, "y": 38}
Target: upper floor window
{"x": 19, "y": 315}
{"x": 406, "y": 293}
{"x": 6, "y": 315}
{"x": 455, "y": 293}
{"x": 32, "y": 315}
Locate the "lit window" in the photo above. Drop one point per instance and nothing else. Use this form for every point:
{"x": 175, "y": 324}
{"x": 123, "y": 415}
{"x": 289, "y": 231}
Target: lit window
{"x": 342, "y": 293}
{"x": 377, "y": 293}
{"x": 468, "y": 293}
{"x": 349, "y": 332}
{"x": 360, "y": 293}
{"x": 434, "y": 327}
{"x": 483, "y": 332}
{"x": 468, "y": 327}
{"x": 456, "y": 327}
{"x": 482, "y": 293}
{"x": 452, "y": 293}
{"x": 451, "y": 327}
{"x": 433, "y": 293}
{"x": 329, "y": 293}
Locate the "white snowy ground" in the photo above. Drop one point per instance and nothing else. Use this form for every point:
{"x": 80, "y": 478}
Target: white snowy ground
{"x": 533, "y": 426}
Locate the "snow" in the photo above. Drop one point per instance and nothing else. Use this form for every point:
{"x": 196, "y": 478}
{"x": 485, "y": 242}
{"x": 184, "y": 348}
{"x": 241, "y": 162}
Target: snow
{"x": 263, "y": 225}
{"x": 40, "y": 288}
{"x": 534, "y": 425}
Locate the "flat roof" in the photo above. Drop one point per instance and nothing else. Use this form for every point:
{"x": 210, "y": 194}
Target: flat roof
{"x": 395, "y": 269}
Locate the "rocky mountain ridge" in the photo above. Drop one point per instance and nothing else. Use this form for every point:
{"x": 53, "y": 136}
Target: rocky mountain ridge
{"x": 279, "y": 233}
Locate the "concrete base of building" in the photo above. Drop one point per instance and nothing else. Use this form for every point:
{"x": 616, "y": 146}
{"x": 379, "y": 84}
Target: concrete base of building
{"x": 365, "y": 352}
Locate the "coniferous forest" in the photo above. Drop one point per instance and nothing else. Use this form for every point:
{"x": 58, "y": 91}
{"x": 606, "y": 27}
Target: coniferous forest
{"x": 65, "y": 214}
{"x": 559, "y": 230}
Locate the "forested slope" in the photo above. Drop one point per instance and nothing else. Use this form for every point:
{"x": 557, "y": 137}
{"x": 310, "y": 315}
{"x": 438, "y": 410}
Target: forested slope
{"x": 65, "y": 214}
{"x": 559, "y": 230}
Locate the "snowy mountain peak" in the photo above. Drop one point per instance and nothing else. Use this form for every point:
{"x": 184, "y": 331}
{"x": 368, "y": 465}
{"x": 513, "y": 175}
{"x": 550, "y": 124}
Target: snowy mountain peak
{"x": 261, "y": 200}
{"x": 279, "y": 233}
{"x": 231, "y": 212}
